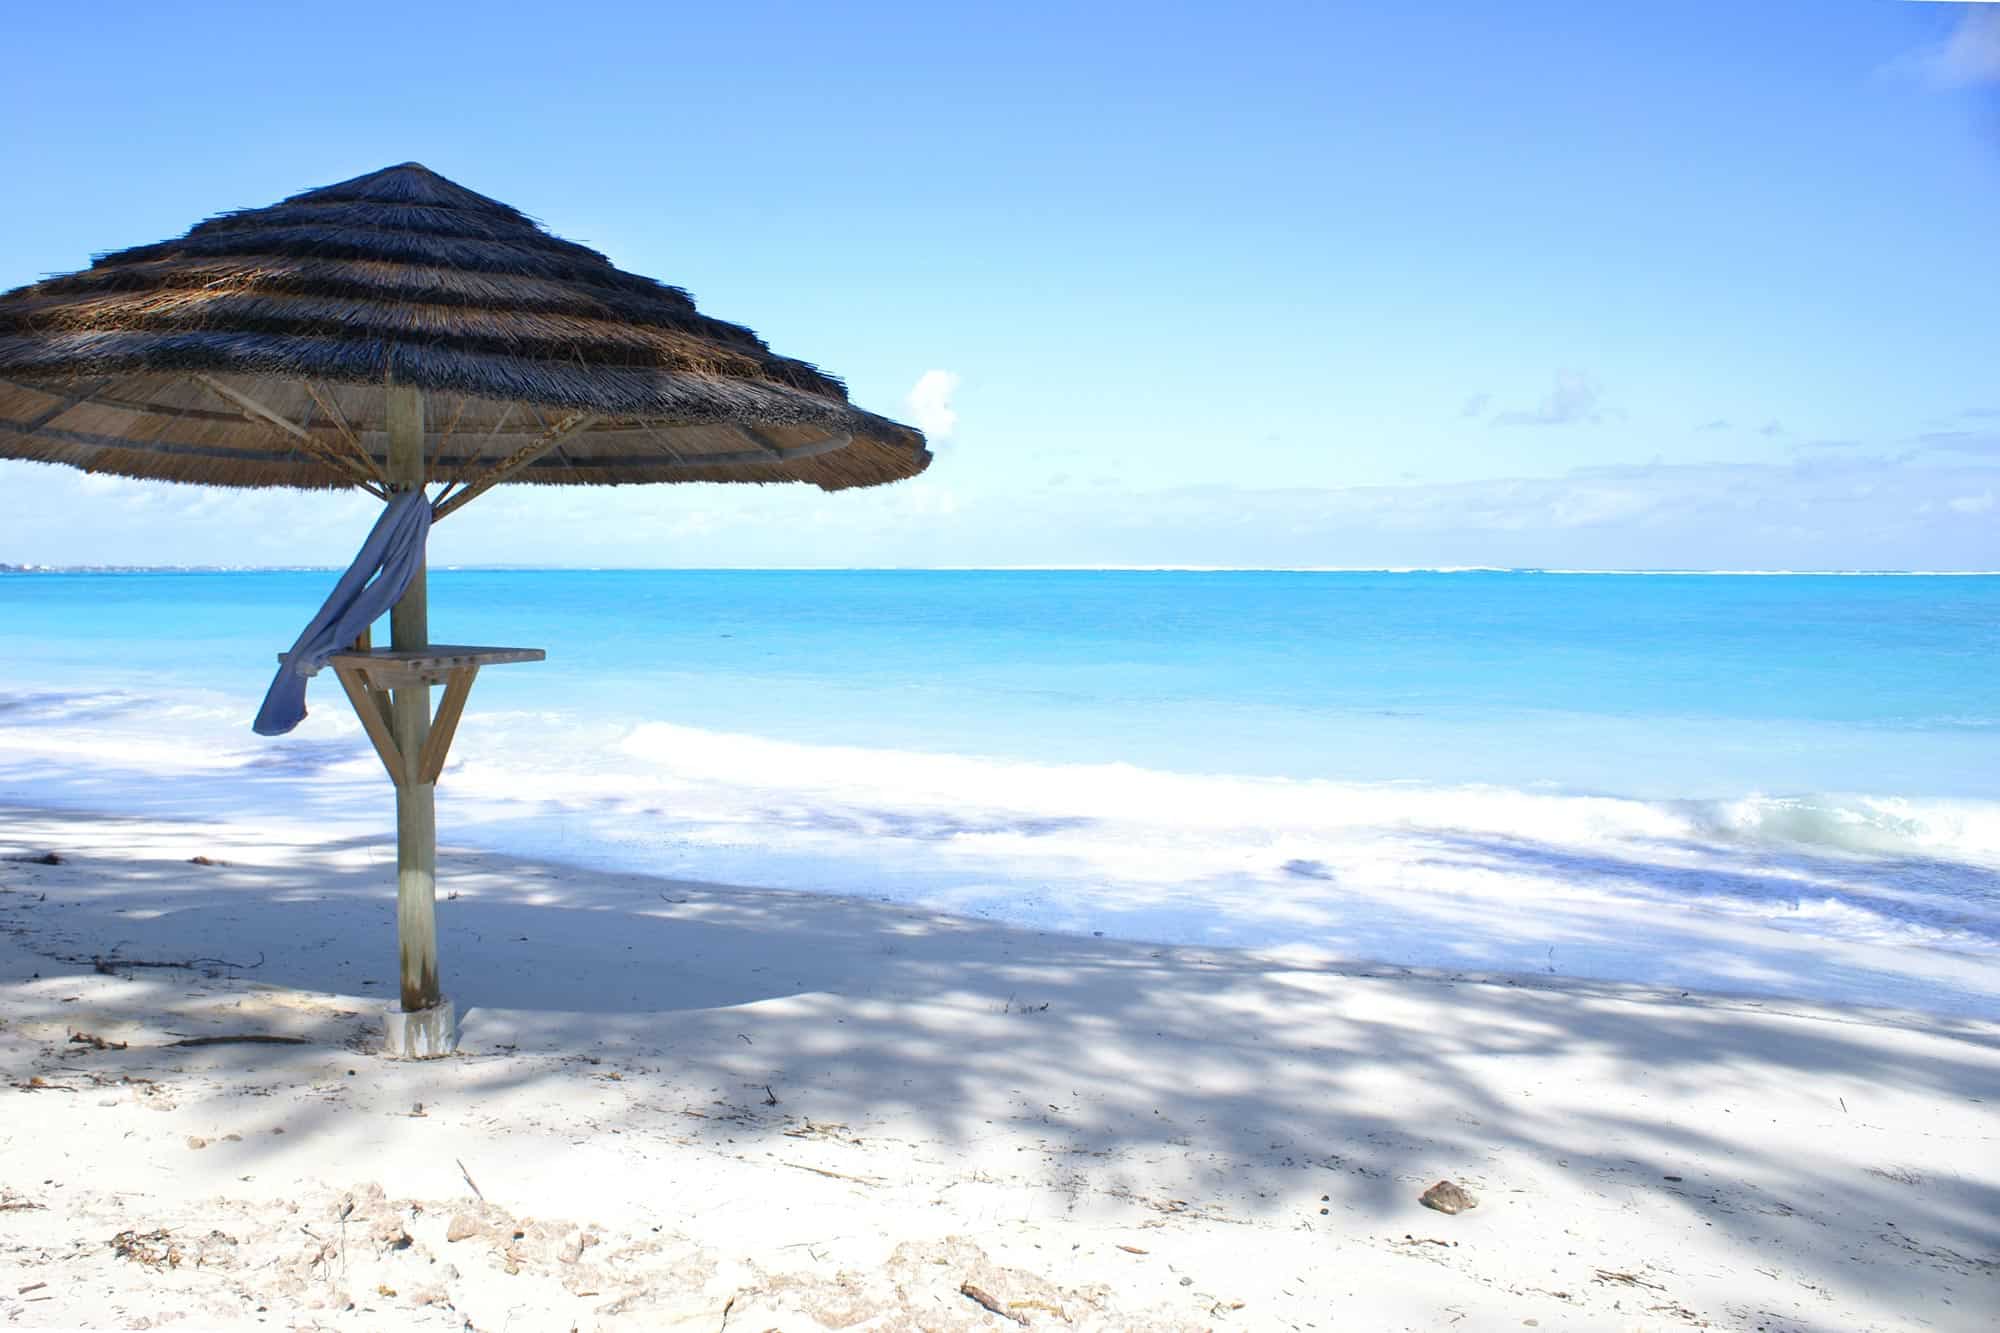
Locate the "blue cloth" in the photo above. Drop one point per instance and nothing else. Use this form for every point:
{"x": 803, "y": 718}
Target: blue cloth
{"x": 391, "y": 556}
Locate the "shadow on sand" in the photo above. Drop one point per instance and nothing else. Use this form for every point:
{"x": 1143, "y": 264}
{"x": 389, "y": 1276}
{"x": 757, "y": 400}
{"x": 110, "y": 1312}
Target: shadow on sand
{"x": 1245, "y": 1075}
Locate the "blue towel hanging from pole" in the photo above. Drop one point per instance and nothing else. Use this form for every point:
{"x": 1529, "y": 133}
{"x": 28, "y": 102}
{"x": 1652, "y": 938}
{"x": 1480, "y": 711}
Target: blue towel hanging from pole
{"x": 391, "y": 556}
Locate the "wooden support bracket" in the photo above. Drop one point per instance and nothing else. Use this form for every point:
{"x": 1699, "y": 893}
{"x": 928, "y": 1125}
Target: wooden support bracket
{"x": 430, "y": 761}
{"x": 368, "y": 676}
{"x": 372, "y": 707}
{"x": 364, "y": 477}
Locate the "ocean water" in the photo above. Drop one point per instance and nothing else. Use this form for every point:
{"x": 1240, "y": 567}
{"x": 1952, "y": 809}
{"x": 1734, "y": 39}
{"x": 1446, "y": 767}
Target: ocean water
{"x": 1784, "y": 785}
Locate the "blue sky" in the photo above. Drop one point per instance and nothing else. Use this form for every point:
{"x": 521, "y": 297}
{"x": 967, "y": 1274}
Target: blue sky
{"x": 1702, "y": 285}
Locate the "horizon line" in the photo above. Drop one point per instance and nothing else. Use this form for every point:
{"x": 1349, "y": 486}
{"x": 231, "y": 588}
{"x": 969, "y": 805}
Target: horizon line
{"x": 475, "y": 568}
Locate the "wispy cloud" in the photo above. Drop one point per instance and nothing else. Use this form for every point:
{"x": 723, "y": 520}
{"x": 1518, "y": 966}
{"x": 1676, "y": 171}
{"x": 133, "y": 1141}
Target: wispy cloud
{"x": 1969, "y": 56}
{"x": 1829, "y": 509}
{"x": 1475, "y": 405}
{"x": 1771, "y": 429}
{"x": 1977, "y": 442}
{"x": 1826, "y": 512}
{"x": 62, "y": 516}
{"x": 1717, "y": 424}
{"x": 1575, "y": 400}
{"x": 930, "y": 403}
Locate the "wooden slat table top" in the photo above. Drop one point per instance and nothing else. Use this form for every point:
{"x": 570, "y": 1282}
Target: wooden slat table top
{"x": 438, "y": 656}
{"x": 390, "y": 668}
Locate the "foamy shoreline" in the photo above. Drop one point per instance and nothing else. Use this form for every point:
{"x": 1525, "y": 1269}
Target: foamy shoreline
{"x": 814, "y": 1111}
{"x": 1026, "y": 569}
{"x": 1876, "y": 901}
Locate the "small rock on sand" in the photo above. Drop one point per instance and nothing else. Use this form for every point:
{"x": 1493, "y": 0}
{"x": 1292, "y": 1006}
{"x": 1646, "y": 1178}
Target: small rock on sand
{"x": 464, "y": 1226}
{"x": 1447, "y": 1197}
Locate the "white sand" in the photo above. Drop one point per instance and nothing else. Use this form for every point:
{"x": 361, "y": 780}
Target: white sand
{"x": 692, "y": 1106}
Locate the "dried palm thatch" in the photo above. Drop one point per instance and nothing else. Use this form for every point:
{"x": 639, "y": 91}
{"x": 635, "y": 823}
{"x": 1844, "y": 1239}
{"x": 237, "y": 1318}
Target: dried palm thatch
{"x": 257, "y": 350}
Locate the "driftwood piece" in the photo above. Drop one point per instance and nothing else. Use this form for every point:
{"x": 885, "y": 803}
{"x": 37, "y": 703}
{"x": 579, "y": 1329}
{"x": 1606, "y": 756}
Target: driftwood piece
{"x": 978, "y": 1297}
{"x": 110, "y": 966}
{"x": 1608, "y": 1277}
{"x": 832, "y": 1175}
{"x": 95, "y": 1042}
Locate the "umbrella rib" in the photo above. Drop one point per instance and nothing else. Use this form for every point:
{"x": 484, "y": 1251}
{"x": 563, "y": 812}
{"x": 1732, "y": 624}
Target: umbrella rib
{"x": 514, "y": 462}
{"x": 505, "y": 417}
{"x": 328, "y": 404}
{"x": 660, "y": 440}
{"x": 541, "y": 419}
{"x": 756, "y": 437}
{"x": 168, "y": 417}
{"x": 449, "y": 492}
{"x": 256, "y": 411}
{"x": 831, "y": 444}
{"x": 766, "y": 451}
{"x": 437, "y": 450}
{"x": 63, "y": 405}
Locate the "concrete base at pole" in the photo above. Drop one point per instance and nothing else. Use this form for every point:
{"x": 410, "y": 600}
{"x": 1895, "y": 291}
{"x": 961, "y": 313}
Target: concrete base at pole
{"x": 426, "y": 1034}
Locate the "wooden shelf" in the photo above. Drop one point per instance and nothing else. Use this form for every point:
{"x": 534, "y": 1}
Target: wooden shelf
{"x": 370, "y": 674}
{"x": 389, "y": 669}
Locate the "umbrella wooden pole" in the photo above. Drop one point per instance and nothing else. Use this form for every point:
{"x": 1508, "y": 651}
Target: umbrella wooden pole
{"x": 410, "y": 720}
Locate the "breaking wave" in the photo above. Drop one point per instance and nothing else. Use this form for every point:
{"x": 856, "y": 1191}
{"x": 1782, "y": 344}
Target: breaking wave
{"x": 1869, "y": 898}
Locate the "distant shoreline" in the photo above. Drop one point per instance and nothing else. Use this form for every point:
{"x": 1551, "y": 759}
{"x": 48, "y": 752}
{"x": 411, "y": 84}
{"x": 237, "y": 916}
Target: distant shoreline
{"x": 1027, "y": 569}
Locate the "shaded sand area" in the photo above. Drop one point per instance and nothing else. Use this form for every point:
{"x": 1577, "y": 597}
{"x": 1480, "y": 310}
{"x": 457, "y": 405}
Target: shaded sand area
{"x": 694, "y": 1106}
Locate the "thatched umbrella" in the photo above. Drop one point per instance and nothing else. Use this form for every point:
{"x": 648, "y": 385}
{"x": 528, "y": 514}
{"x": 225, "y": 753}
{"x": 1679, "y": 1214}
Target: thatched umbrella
{"x": 391, "y": 332}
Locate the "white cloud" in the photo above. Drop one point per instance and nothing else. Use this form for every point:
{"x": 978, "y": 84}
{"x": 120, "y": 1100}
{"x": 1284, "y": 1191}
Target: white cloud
{"x": 1833, "y": 508}
{"x": 930, "y": 406}
{"x": 1971, "y": 55}
{"x": 1575, "y": 399}
{"x": 1823, "y": 513}
{"x": 1586, "y": 506}
{"x": 926, "y": 497}
{"x": 1961, "y": 441}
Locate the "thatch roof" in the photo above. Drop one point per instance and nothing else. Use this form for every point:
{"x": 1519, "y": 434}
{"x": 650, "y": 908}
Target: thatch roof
{"x": 255, "y": 350}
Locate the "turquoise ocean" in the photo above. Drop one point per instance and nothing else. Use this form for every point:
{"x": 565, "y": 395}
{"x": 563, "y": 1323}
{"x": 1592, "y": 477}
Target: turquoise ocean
{"x": 1771, "y": 784}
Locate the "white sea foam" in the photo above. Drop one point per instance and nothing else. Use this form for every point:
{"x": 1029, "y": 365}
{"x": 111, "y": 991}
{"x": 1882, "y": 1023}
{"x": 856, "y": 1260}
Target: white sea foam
{"x": 1876, "y": 898}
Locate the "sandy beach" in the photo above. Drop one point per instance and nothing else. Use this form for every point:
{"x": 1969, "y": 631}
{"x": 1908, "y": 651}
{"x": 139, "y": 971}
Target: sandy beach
{"x": 1106, "y": 669}
{"x": 684, "y": 1105}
